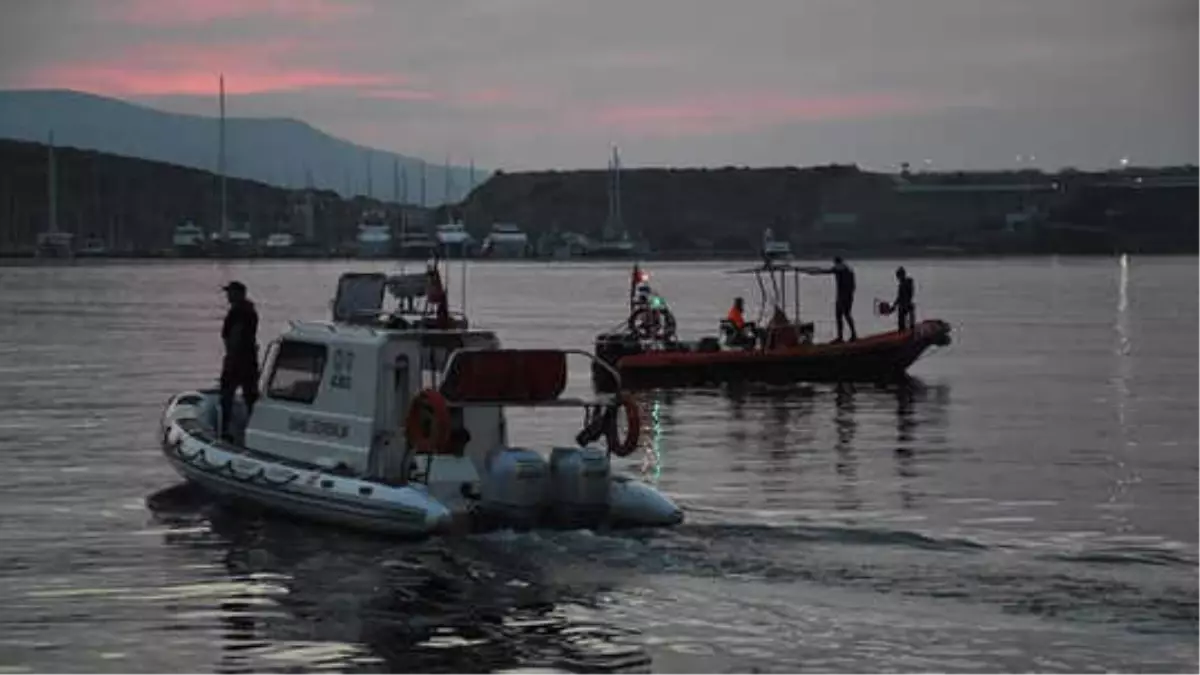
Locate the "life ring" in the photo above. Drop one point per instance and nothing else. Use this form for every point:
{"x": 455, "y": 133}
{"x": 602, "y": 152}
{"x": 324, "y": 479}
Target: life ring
{"x": 626, "y": 447}
{"x": 427, "y": 424}
{"x": 648, "y": 323}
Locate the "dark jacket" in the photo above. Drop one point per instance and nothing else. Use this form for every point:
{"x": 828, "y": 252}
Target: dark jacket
{"x": 904, "y": 293}
{"x": 843, "y": 278}
{"x": 240, "y": 334}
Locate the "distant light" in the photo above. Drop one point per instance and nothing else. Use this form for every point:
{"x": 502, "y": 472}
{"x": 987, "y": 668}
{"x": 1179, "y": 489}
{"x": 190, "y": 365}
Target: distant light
{"x": 1124, "y": 161}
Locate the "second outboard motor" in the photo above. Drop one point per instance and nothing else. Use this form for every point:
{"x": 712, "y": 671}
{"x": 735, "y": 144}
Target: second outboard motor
{"x": 579, "y": 486}
{"x": 514, "y": 487}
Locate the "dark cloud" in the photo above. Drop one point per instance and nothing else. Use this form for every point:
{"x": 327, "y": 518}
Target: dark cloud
{"x": 535, "y": 83}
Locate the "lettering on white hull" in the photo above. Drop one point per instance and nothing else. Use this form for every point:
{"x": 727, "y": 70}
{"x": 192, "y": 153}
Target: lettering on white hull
{"x": 313, "y": 427}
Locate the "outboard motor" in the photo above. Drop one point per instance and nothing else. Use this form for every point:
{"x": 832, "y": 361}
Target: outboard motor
{"x": 610, "y": 348}
{"x": 579, "y": 486}
{"x": 514, "y": 486}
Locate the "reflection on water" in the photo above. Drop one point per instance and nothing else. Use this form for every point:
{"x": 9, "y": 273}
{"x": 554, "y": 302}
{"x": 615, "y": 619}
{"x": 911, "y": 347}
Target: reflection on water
{"x": 322, "y": 598}
{"x": 785, "y": 439}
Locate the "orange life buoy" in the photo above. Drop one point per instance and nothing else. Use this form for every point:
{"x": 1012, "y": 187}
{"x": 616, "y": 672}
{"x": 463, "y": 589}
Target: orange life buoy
{"x": 624, "y": 448}
{"x": 427, "y": 424}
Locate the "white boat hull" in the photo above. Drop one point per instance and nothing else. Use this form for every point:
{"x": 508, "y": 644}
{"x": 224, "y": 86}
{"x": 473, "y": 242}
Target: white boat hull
{"x": 235, "y": 473}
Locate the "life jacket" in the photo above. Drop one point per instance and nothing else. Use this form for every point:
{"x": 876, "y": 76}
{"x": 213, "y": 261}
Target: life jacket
{"x": 735, "y": 317}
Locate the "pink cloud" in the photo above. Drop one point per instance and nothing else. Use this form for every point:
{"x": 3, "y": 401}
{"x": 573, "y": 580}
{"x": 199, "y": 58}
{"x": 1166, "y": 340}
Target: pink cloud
{"x": 267, "y": 66}
{"x": 489, "y": 96}
{"x": 114, "y": 80}
{"x": 177, "y": 12}
{"x": 400, "y": 94}
{"x": 741, "y": 112}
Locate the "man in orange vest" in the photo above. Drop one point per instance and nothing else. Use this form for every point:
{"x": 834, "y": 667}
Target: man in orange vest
{"x": 737, "y": 321}
{"x": 735, "y": 315}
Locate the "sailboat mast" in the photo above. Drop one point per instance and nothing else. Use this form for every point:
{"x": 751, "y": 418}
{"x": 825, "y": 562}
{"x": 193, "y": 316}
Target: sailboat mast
{"x": 422, "y": 183}
{"x": 52, "y": 185}
{"x": 221, "y": 163}
{"x": 620, "y": 225}
{"x": 395, "y": 180}
{"x": 309, "y": 213}
{"x": 608, "y": 189}
{"x": 370, "y": 187}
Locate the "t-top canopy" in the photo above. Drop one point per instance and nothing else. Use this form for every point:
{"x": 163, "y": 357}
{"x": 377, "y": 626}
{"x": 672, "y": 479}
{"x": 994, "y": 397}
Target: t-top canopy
{"x": 781, "y": 267}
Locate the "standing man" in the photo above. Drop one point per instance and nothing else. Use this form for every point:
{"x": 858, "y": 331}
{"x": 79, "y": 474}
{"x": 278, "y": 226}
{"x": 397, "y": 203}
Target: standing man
{"x": 240, "y": 366}
{"x": 904, "y": 300}
{"x": 843, "y": 278}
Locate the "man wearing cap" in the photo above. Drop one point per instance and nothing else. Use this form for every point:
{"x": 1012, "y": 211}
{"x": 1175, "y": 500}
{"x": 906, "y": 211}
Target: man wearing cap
{"x": 240, "y": 366}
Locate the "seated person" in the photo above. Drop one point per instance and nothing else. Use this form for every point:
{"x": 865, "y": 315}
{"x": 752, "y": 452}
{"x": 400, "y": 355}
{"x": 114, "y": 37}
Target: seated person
{"x": 736, "y": 326}
{"x": 780, "y": 331}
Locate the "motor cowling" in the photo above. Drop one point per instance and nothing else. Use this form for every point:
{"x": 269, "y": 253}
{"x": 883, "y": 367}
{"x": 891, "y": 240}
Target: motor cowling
{"x": 579, "y": 486}
{"x": 514, "y": 486}
{"x": 611, "y": 348}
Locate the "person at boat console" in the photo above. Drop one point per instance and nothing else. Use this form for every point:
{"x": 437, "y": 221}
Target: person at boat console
{"x": 903, "y": 306}
{"x": 240, "y": 365}
{"x": 735, "y": 325}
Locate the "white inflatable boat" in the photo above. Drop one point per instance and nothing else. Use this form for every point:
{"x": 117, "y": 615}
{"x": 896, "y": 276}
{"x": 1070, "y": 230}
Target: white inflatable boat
{"x": 395, "y": 423}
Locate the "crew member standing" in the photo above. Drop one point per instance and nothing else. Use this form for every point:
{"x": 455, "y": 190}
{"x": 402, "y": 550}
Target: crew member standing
{"x": 843, "y": 278}
{"x": 240, "y": 366}
{"x": 904, "y": 300}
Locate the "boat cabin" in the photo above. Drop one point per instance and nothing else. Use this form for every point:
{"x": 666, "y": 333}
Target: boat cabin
{"x": 335, "y": 395}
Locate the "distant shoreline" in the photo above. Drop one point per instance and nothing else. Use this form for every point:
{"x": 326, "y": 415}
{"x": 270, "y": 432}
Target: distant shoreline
{"x": 11, "y": 260}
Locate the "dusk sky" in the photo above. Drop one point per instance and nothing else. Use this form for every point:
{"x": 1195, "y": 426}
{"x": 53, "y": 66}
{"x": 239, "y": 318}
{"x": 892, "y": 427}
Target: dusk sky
{"x": 527, "y": 84}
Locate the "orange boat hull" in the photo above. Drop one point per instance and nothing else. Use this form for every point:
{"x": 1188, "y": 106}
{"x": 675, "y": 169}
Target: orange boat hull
{"x": 877, "y": 358}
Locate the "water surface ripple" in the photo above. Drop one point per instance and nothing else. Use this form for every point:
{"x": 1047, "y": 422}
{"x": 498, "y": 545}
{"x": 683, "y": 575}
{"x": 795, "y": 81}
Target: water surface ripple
{"x": 1028, "y": 502}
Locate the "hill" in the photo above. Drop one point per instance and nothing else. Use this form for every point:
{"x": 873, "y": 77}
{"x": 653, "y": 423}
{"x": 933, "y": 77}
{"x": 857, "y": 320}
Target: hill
{"x": 135, "y": 204}
{"x": 271, "y": 151}
{"x": 841, "y": 208}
